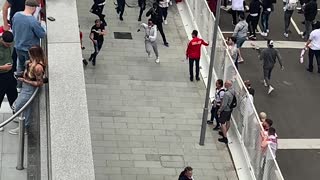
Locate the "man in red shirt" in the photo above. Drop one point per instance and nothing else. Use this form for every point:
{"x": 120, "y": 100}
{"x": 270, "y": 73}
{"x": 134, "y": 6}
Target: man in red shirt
{"x": 194, "y": 53}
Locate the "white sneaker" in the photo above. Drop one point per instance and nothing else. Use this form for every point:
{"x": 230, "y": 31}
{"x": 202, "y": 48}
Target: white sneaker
{"x": 157, "y": 61}
{"x": 263, "y": 34}
{"x": 265, "y": 83}
{"x": 18, "y": 90}
{"x": 286, "y": 35}
{"x": 1, "y": 129}
{"x": 240, "y": 60}
{"x": 270, "y": 89}
{"x": 14, "y": 131}
{"x": 165, "y": 22}
{"x": 267, "y": 30}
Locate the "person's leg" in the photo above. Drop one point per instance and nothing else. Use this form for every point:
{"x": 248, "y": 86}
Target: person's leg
{"x": 287, "y": 20}
{"x": 23, "y": 56}
{"x": 310, "y": 54}
{"x": 160, "y": 28}
{"x": 249, "y": 21}
{"x": 14, "y": 59}
{"x": 240, "y": 41}
{"x": 165, "y": 13}
{"x": 197, "y": 69}
{"x": 11, "y": 92}
{"x": 141, "y": 12}
{"x": 266, "y": 76}
{"x": 254, "y": 22}
{"x": 95, "y": 53}
{"x": 148, "y": 47}
{"x": 94, "y": 8}
{"x": 267, "y": 21}
{"x": 317, "y": 54}
{"x": 308, "y": 27}
{"x": 3, "y": 87}
{"x": 155, "y": 48}
{"x": 269, "y": 74}
{"x": 234, "y": 17}
{"x": 122, "y": 11}
{"x": 263, "y": 22}
{"x": 217, "y": 117}
{"x": 227, "y": 126}
{"x": 191, "y": 68}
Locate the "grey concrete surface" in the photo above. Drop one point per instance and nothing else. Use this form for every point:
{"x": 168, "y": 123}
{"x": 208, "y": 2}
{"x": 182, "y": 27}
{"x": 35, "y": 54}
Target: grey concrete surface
{"x": 145, "y": 117}
{"x": 293, "y": 104}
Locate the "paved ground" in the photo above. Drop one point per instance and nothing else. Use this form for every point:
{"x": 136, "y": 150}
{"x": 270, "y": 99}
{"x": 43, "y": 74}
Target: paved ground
{"x": 145, "y": 117}
{"x": 293, "y": 104}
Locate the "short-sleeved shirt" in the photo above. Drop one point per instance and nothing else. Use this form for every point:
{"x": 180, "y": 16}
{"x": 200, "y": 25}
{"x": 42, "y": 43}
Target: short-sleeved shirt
{"x": 219, "y": 95}
{"x": 16, "y": 6}
{"x": 95, "y": 31}
{"x": 233, "y": 50}
{"x": 315, "y": 39}
{"x": 5, "y": 56}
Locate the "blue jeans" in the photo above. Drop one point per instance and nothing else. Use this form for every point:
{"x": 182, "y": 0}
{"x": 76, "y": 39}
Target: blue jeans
{"x": 240, "y": 41}
{"x": 22, "y": 56}
{"x": 265, "y": 21}
{"x": 25, "y": 94}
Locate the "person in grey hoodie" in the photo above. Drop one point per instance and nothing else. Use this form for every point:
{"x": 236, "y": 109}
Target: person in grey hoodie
{"x": 240, "y": 31}
{"x": 269, "y": 57}
{"x": 150, "y": 38}
{"x": 224, "y": 112}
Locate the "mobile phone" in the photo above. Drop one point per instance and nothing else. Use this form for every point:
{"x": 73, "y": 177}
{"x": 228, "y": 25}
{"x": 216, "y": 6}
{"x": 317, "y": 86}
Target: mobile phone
{"x": 51, "y": 18}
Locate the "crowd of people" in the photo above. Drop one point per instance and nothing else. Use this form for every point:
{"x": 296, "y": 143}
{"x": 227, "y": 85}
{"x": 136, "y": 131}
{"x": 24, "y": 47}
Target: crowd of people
{"x": 22, "y": 60}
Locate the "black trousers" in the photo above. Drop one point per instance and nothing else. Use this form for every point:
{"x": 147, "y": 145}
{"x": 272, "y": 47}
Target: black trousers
{"x": 236, "y": 14}
{"x": 160, "y": 28}
{"x": 97, "y": 10}
{"x": 311, "y": 54}
{"x": 252, "y": 24}
{"x": 191, "y": 62}
{"x": 97, "y": 48}
{"x": 8, "y": 86}
{"x": 121, "y": 7}
{"x": 142, "y": 8}
{"x": 164, "y": 12}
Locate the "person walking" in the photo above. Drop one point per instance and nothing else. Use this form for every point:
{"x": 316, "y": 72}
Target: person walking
{"x": 151, "y": 39}
{"x": 186, "y": 174}
{"x": 289, "y": 7}
{"x": 253, "y": 18}
{"x": 237, "y": 9}
{"x": 240, "y": 31}
{"x": 164, "y": 4}
{"x": 313, "y": 44}
{"x": 31, "y": 79}
{"x": 266, "y": 11}
{"x": 7, "y": 82}
{"x": 27, "y": 31}
{"x": 120, "y": 8}
{"x": 225, "y": 110}
{"x": 310, "y": 13}
{"x": 269, "y": 57}
{"x": 96, "y": 36}
{"x": 217, "y": 103}
{"x": 156, "y": 16}
{"x": 193, "y": 53}
{"x": 142, "y": 5}
{"x": 97, "y": 9}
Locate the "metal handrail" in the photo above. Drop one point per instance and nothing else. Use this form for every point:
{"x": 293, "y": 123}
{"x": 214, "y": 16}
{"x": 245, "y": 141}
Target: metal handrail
{"x": 20, "y": 110}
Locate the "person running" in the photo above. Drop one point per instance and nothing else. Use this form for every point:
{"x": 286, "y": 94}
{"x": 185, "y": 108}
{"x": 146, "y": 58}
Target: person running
{"x": 266, "y": 11}
{"x": 310, "y": 13}
{"x": 142, "y": 5}
{"x": 156, "y": 16}
{"x": 7, "y": 82}
{"x": 151, "y": 39}
{"x": 186, "y": 174}
{"x": 193, "y": 53}
{"x": 97, "y": 9}
{"x": 96, "y": 36}
{"x": 120, "y": 8}
{"x": 31, "y": 79}
{"x": 225, "y": 110}
{"x": 289, "y": 7}
{"x": 253, "y": 18}
{"x": 313, "y": 44}
{"x": 269, "y": 57}
{"x": 164, "y": 4}
{"x": 217, "y": 103}
{"x": 240, "y": 31}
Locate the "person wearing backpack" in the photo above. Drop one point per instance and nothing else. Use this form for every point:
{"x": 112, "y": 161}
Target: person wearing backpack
{"x": 224, "y": 113}
{"x": 217, "y": 103}
{"x": 289, "y": 7}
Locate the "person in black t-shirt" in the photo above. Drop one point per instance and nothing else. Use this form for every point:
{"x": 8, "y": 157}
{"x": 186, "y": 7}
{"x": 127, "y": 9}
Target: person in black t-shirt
{"x": 97, "y": 9}
{"x": 96, "y": 35}
{"x": 15, "y": 6}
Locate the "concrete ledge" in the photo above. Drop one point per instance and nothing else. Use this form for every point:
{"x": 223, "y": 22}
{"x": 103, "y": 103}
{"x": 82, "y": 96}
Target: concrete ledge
{"x": 70, "y": 140}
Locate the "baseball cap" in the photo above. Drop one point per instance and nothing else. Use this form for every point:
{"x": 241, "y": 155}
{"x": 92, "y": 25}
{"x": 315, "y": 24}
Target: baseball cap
{"x": 32, "y": 3}
{"x": 7, "y": 37}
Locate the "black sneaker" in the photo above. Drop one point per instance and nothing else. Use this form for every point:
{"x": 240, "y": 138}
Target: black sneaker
{"x": 197, "y": 78}
{"x": 191, "y": 79}
{"x": 91, "y": 57}
{"x": 139, "y": 19}
{"x": 220, "y": 133}
{"x": 166, "y": 44}
{"x": 223, "y": 140}
{"x": 121, "y": 18}
{"x": 93, "y": 63}
{"x": 85, "y": 62}
{"x": 310, "y": 70}
{"x": 216, "y": 128}
{"x": 209, "y": 122}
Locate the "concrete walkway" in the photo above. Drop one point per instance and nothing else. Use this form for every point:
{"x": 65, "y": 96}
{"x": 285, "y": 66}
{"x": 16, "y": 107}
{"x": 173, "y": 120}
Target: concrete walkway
{"x": 145, "y": 117}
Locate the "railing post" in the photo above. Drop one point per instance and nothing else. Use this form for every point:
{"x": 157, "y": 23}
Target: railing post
{"x": 21, "y": 142}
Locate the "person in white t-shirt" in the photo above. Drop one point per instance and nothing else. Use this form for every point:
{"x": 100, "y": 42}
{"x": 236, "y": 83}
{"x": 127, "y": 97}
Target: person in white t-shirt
{"x": 237, "y": 7}
{"x": 234, "y": 51}
{"x": 272, "y": 141}
{"x": 313, "y": 44}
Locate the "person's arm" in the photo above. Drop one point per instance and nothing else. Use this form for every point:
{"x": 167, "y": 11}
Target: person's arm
{"x": 5, "y": 67}
{"x": 279, "y": 59}
{"x": 91, "y": 36}
{"x": 5, "y": 8}
{"x": 103, "y": 31}
{"x": 188, "y": 50}
{"x": 39, "y": 29}
{"x": 235, "y": 31}
{"x": 144, "y": 25}
{"x": 204, "y": 43}
{"x": 39, "y": 77}
{"x": 149, "y": 12}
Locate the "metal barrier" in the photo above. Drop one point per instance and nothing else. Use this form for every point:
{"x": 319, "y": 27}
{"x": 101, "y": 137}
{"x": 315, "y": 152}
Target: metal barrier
{"x": 244, "y": 116}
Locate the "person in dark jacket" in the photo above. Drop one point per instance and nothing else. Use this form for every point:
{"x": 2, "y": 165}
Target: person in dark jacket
{"x": 310, "y": 12}
{"x": 266, "y": 11}
{"x": 120, "y": 8}
{"x": 142, "y": 5}
{"x": 97, "y": 9}
{"x": 156, "y": 17}
{"x": 253, "y": 18}
{"x": 186, "y": 174}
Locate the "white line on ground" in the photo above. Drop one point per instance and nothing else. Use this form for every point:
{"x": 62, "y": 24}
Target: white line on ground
{"x": 230, "y": 32}
{"x": 295, "y": 26}
{"x": 277, "y": 44}
{"x": 298, "y": 143}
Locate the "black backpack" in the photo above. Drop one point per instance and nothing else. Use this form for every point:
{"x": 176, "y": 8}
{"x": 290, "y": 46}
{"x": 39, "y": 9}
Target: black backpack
{"x": 233, "y": 103}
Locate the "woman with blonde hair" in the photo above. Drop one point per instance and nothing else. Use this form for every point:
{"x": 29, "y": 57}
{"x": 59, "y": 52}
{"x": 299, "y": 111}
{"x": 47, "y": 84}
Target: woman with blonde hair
{"x": 31, "y": 79}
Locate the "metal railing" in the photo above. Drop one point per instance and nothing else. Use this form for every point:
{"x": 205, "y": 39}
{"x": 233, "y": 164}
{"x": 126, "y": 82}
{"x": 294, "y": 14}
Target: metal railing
{"x": 245, "y": 118}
